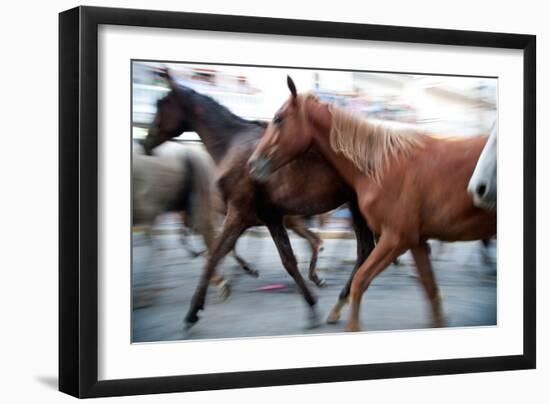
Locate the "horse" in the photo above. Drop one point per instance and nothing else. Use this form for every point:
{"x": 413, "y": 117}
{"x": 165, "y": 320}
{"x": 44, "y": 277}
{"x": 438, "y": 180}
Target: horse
{"x": 410, "y": 186}
{"x": 230, "y": 140}
{"x": 182, "y": 183}
{"x": 483, "y": 184}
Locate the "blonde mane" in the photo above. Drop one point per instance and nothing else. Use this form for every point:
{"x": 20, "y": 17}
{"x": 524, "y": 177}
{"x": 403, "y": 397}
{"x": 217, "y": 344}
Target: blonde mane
{"x": 370, "y": 145}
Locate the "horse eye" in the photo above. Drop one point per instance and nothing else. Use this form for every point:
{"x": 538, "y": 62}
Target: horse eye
{"x": 278, "y": 119}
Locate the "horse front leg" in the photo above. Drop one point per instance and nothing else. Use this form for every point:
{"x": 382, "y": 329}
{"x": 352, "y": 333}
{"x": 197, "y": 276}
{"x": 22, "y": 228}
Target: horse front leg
{"x": 365, "y": 245}
{"x": 233, "y": 227}
{"x": 387, "y": 249}
{"x": 425, "y": 272}
{"x": 280, "y": 237}
{"x": 297, "y": 225}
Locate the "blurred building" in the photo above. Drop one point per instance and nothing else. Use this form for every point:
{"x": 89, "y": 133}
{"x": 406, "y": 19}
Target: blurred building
{"x": 442, "y": 104}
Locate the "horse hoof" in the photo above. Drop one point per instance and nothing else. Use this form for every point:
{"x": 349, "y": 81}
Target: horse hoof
{"x": 253, "y": 272}
{"x": 190, "y": 320}
{"x": 314, "y": 320}
{"x": 187, "y": 329}
{"x": 439, "y": 322}
{"x": 333, "y": 318}
{"x": 319, "y": 282}
{"x": 354, "y": 327}
{"x": 224, "y": 290}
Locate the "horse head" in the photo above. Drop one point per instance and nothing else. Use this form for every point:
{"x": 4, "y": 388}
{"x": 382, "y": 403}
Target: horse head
{"x": 483, "y": 183}
{"x": 288, "y": 135}
{"x": 172, "y": 116}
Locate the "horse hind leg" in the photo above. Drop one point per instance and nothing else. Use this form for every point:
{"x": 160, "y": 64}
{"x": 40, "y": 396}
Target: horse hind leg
{"x": 280, "y": 237}
{"x": 335, "y": 312}
{"x": 245, "y": 266}
{"x": 153, "y": 247}
{"x": 425, "y": 273}
{"x": 297, "y": 225}
{"x": 184, "y": 234}
{"x": 485, "y": 255}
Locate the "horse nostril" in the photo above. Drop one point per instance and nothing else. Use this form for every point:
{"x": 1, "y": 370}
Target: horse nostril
{"x": 481, "y": 189}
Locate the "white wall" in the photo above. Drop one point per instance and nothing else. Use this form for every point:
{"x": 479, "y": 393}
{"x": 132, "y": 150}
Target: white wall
{"x": 28, "y": 166}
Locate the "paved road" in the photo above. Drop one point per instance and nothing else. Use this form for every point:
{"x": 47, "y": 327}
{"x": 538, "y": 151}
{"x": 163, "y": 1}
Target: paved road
{"x": 165, "y": 277}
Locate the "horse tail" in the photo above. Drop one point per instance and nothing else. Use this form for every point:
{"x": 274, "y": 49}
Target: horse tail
{"x": 200, "y": 193}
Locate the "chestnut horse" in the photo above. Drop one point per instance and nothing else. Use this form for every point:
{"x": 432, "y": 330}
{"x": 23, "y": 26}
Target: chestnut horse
{"x": 294, "y": 190}
{"x": 410, "y": 186}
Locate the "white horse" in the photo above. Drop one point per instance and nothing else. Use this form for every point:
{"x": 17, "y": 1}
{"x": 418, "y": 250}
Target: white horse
{"x": 182, "y": 182}
{"x": 483, "y": 183}
{"x": 180, "y": 179}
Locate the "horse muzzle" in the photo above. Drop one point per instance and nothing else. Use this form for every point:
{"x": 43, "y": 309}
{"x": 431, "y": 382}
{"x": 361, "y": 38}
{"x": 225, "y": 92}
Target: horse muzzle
{"x": 484, "y": 195}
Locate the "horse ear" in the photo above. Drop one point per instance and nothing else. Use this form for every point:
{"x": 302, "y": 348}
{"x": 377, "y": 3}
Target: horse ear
{"x": 291, "y": 86}
{"x": 164, "y": 73}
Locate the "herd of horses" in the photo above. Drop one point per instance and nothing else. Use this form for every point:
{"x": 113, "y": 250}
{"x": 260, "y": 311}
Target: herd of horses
{"x": 402, "y": 187}
{"x": 181, "y": 179}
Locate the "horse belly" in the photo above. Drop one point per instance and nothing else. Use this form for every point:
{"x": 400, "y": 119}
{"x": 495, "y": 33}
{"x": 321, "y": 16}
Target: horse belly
{"x": 475, "y": 225}
{"x": 308, "y": 202}
{"x": 448, "y": 212}
{"x": 306, "y": 189}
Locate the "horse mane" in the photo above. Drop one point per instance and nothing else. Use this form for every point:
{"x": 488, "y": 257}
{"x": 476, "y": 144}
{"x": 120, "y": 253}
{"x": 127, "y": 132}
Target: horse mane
{"x": 370, "y": 145}
{"x": 222, "y": 112}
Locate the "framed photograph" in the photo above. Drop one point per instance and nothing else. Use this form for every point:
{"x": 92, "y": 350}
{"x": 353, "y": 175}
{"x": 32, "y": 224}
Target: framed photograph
{"x": 251, "y": 202}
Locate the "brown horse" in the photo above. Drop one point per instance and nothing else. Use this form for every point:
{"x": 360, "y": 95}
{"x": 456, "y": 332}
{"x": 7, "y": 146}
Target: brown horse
{"x": 410, "y": 186}
{"x": 307, "y": 186}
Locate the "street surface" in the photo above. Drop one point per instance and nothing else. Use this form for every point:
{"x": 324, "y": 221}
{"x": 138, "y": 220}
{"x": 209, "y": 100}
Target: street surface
{"x": 165, "y": 276}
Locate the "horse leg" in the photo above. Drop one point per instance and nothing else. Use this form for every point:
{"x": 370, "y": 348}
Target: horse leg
{"x": 186, "y": 245}
{"x": 208, "y": 235}
{"x": 387, "y": 248}
{"x": 145, "y": 275}
{"x": 485, "y": 244}
{"x": 152, "y": 243}
{"x": 280, "y": 237}
{"x": 205, "y": 227}
{"x": 365, "y": 245}
{"x": 184, "y": 233}
{"x": 425, "y": 272}
{"x": 243, "y": 264}
{"x": 298, "y": 226}
{"x": 233, "y": 227}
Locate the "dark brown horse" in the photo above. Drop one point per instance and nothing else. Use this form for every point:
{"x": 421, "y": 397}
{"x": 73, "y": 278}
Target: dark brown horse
{"x": 410, "y": 186}
{"x": 231, "y": 140}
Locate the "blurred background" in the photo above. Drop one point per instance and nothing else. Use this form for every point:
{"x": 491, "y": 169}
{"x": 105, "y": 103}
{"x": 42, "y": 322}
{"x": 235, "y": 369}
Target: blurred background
{"x": 461, "y": 106}
{"x": 165, "y": 274}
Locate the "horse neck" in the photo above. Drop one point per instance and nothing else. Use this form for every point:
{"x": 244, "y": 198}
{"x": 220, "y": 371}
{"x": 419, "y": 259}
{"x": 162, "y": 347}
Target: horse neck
{"x": 321, "y": 120}
{"x": 218, "y": 127}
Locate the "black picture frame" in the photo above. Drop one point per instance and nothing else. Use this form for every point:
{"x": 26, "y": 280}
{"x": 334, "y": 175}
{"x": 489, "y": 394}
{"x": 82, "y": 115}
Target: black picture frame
{"x": 78, "y": 200}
